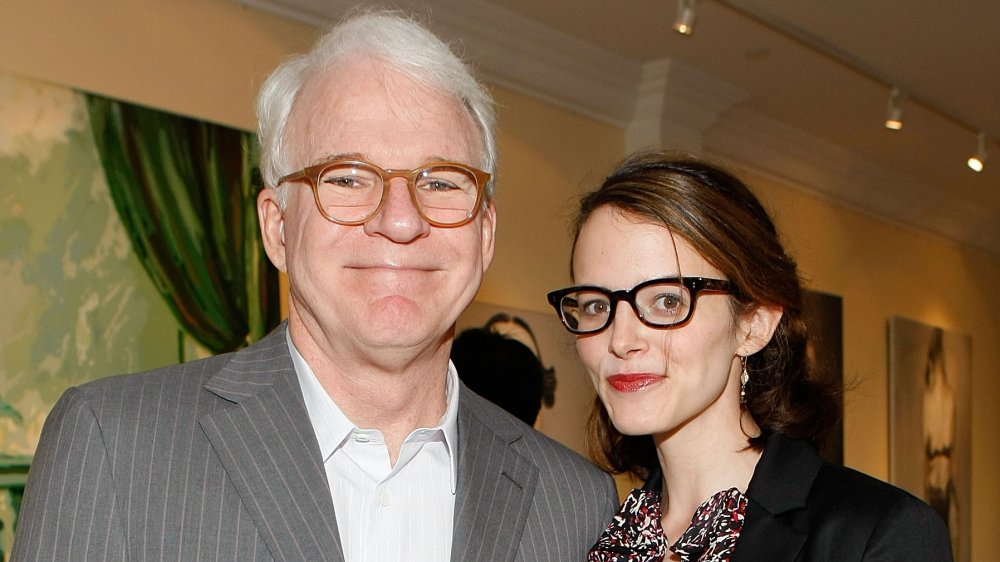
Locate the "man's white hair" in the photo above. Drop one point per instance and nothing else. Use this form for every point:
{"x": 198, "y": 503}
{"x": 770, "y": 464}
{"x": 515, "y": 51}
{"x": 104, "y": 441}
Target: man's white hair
{"x": 393, "y": 38}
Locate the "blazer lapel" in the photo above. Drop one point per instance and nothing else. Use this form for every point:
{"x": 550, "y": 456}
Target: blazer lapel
{"x": 495, "y": 489}
{"x": 266, "y": 444}
{"x": 776, "y": 521}
{"x": 779, "y": 538}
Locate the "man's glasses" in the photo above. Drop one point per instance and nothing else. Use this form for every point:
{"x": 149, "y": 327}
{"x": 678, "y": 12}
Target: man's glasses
{"x": 658, "y": 303}
{"x": 351, "y": 192}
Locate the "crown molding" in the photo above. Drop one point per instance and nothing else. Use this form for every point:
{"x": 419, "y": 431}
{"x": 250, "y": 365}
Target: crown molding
{"x": 528, "y": 57}
{"x": 676, "y": 104}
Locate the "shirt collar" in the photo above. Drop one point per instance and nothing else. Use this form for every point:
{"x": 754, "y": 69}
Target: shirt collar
{"x": 449, "y": 422}
{"x": 332, "y": 427}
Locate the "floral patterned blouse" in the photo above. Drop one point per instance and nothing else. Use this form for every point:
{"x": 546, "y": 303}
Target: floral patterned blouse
{"x": 635, "y": 534}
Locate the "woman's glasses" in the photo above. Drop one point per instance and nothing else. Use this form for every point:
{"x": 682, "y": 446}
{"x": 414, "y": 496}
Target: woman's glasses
{"x": 658, "y": 303}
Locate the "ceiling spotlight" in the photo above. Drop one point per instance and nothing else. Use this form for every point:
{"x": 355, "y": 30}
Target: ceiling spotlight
{"x": 978, "y": 160}
{"x": 684, "y": 23}
{"x": 894, "y": 112}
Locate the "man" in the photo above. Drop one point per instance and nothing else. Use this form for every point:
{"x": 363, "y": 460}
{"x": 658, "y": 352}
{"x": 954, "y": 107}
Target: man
{"x": 345, "y": 434}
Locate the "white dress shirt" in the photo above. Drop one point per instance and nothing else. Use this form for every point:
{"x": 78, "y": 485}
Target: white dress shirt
{"x": 387, "y": 513}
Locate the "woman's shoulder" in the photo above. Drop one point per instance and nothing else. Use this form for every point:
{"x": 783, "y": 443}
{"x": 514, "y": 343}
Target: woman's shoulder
{"x": 848, "y": 503}
{"x": 840, "y": 485}
{"x": 791, "y": 465}
{"x": 843, "y": 513}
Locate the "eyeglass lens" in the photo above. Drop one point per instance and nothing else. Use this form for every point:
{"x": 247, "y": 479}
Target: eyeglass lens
{"x": 351, "y": 191}
{"x": 660, "y": 304}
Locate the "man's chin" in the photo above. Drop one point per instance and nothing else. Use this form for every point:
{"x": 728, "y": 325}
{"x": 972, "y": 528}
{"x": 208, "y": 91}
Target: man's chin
{"x": 394, "y": 318}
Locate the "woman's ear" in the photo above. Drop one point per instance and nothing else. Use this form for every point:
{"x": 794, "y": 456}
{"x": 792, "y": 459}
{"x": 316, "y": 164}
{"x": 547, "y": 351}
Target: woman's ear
{"x": 757, "y": 328}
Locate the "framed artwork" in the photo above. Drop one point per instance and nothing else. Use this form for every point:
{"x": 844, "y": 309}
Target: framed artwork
{"x": 566, "y": 419}
{"x": 824, "y": 318}
{"x": 78, "y": 302}
{"x": 13, "y": 475}
{"x": 930, "y": 421}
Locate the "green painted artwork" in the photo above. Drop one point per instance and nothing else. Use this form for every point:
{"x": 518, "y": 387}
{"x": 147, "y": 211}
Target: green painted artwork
{"x": 76, "y": 304}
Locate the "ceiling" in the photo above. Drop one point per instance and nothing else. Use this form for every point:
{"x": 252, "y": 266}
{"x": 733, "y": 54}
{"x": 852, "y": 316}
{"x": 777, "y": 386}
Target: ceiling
{"x": 799, "y": 88}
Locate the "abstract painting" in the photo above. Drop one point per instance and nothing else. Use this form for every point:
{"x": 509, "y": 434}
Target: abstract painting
{"x": 930, "y": 421}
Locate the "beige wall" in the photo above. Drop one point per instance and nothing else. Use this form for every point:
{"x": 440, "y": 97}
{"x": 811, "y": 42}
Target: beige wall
{"x": 542, "y": 171}
{"x": 201, "y": 58}
{"x": 205, "y": 58}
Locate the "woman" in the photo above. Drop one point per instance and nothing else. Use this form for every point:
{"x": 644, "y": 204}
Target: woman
{"x": 688, "y": 315}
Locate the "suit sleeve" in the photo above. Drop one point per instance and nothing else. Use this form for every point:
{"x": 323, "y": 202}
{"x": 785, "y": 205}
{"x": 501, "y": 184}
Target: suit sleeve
{"x": 911, "y": 530}
{"x": 611, "y": 501}
{"x": 69, "y": 509}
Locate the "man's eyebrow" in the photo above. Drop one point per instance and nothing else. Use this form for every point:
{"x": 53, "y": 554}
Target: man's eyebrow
{"x": 340, "y": 156}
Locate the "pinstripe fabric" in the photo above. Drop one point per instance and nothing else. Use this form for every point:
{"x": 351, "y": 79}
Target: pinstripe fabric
{"x": 522, "y": 496}
{"x": 217, "y": 460}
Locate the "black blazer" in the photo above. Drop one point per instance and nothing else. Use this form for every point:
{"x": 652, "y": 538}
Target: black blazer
{"x": 801, "y": 508}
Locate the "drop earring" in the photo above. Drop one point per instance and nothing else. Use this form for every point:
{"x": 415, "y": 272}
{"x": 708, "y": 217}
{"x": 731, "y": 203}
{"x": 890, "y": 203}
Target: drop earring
{"x": 744, "y": 378}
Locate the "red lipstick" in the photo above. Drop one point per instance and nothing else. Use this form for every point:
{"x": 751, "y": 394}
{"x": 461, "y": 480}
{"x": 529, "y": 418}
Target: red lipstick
{"x": 632, "y": 382}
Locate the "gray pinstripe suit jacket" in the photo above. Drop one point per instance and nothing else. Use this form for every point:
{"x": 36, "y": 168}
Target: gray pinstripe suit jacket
{"x": 217, "y": 460}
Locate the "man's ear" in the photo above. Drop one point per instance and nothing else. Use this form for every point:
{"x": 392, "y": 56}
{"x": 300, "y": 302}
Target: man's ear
{"x": 757, "y": 328}
{"x": 272, "y": 226}
{"x": 489, "y": 227}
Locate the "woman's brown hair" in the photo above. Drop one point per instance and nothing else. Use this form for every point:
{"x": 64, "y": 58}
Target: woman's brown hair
{"x": 725, "y": 222}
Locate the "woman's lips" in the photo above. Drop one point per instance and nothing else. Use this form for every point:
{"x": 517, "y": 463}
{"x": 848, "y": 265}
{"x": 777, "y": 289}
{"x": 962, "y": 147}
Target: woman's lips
{"x": 632, "y": 382}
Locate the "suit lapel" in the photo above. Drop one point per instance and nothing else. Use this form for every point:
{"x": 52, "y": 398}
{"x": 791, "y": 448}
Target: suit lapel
{"x": 496, "y": 486}
{"x": 776, "y": 521}
{"x": 267, "y": 446}
{"x": 779, "y": 538}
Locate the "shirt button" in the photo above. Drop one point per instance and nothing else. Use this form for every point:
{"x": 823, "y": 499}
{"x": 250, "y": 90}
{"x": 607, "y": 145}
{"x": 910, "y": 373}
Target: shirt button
{"x": 383, "y": 497}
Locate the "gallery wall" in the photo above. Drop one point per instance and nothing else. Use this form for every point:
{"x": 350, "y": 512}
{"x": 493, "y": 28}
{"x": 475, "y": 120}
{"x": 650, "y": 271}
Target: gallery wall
{"x": 206, "y": 58}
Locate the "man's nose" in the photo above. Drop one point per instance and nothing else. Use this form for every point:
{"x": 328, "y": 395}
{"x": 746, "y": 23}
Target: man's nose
{"x": 398, "y": 220}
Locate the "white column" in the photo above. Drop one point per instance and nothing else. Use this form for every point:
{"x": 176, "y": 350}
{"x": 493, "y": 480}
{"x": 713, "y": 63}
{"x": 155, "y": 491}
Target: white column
{"x": 675, "y": 106}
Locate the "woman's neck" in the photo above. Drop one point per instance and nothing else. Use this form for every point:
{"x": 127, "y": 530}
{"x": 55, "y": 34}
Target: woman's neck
{"x": 698, "y": 464}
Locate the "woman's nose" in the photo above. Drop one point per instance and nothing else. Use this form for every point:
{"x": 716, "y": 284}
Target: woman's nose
{"x": 626, "y": 329}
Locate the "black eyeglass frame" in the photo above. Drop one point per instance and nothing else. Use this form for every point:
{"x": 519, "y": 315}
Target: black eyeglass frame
{"x": 313, "y": 173}
{"x": 695, "y": 285}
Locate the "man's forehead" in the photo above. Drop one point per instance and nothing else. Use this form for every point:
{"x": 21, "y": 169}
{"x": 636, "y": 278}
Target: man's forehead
{"x": 345, "y": 108}
{"x": 370, "y": 82}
